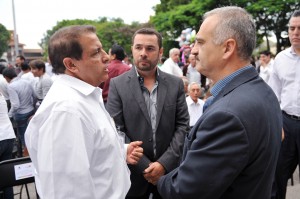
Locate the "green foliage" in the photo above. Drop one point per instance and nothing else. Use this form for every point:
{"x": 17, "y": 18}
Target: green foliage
{"x": 4, "y": 39}
{"x": 109, "y": 31}
{"x": 271, "y": 16}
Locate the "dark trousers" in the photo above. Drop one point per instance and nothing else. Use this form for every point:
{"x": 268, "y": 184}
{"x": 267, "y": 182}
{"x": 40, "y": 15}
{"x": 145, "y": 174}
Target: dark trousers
{"x": 151, "y": 189}
{"x": 22, "y": 123}
{"x": 289, "y": 156}
{"x": 6, "y": 148}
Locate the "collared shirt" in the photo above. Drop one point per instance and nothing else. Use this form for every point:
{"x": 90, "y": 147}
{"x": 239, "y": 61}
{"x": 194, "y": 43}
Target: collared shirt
{"x": 3, "y": 87}
{"x": 6, "y": 129}
{"x": 151, "y": 103}
{"x": 171, "y": 67}
{"x": 195, "y": 109}
{"x": 21, "y": 95}
{"x": 193, "y": 75}
{"x": 43, "y": 85}
{"x": 215, "y": 90}
{"x": 74, "y": 145}
{"x": 266, "y": 71}
{"x": 285, "y": 81}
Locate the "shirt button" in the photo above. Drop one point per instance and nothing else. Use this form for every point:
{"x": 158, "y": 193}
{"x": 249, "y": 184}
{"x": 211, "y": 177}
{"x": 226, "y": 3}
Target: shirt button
{"x": 150, "y": 139}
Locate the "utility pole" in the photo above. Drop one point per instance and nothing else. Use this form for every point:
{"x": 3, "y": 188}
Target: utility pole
{"x": 16, "y": 42}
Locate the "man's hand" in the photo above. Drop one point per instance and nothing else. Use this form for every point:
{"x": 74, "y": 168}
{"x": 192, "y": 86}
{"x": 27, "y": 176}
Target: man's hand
{"x": 154, "y": 172}
{"x": 134, "y": 152}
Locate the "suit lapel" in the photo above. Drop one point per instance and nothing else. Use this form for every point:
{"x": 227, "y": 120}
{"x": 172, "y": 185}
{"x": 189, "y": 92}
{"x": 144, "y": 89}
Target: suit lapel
{"x": 161, "y": 95}
{"x": 136, "y": 91}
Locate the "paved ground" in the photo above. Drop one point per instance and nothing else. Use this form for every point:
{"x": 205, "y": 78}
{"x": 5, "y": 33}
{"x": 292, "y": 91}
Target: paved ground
{"x": 293, "y": 192}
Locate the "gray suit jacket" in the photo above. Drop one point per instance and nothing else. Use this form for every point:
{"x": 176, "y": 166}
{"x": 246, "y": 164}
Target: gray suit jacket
{"x": 232, "y": 150}
{"x": 126, "y": 104}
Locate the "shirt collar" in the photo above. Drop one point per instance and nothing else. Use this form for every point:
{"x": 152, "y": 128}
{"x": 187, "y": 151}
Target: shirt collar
{"x": 79, "y": 85}
{"x": 215, "y": 90}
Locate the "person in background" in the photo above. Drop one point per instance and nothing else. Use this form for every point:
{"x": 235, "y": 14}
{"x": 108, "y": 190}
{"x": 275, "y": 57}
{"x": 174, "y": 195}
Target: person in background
{"x": 266, "y": 65}
{"x": 192, "y": 74}
{"x": 195, "y": 105}
{"x": 3, "y": 85}
{"x": 115, "y": 68}
{"x": 171, "y": 64}
{"x": 185, "y": 85}
{"x": 27, "y": 74}
{"x": 7, "y": 137}
{"x": 22, "y": 99}
{"x": 38, "y": 69}
{"x": 20, "y": 59}
{"x": 72, "y": 141}
{"x": 149, "y": 105}
{"x": 284, "y": 81}
{"x": 232, "y": 150}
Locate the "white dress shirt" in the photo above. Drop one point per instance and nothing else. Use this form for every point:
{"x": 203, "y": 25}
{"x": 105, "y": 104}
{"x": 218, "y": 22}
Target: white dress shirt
{"x": 6, "y": 129}
{"x": 193, "y": 75}
{"x": 74, "y": 145}
{"x": 266, "y": 71}
{"x": 285, "y": 81}
{"x": 3, "y": 87}
{"x": 171, "y": 67}
{"x": 195, "y": 109}
{"x": 43, "y": 85}
{"x": 21, "y": 95}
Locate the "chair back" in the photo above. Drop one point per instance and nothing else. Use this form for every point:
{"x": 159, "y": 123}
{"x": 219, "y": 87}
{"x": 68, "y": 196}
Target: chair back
{"x": 16, "y": 172}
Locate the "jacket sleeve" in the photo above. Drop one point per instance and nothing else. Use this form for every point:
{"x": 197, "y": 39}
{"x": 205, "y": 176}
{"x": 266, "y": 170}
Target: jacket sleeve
{"x": 216, "y": 154}
{"x": 115, "y": 108}
{"x": 171, "y": 157}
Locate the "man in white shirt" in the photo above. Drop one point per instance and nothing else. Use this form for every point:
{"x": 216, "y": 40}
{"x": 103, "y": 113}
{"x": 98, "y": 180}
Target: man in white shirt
{"x": 171, "y": 64}
{"x": 7, "y": 137}
{"x": 285, "y": 82}
{"x": 195, "y": 105}
{"x": 72, "y": 141}
{"x": 266, "y": 65}
{"x": 192, "y": 74}
{"x": 38, "y": 69}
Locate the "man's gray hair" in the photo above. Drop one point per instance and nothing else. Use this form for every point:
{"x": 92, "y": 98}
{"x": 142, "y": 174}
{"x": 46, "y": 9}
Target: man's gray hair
{"x": 192, "y": 83}
{"x": 238, "y": 24}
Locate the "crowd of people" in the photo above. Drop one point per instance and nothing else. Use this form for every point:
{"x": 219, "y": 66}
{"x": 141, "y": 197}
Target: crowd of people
{"x": 206, "y": 122}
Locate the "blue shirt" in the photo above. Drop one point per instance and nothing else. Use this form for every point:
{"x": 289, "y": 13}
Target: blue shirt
{"x": 216, "y": 89}
{"x": 21, "y": 95}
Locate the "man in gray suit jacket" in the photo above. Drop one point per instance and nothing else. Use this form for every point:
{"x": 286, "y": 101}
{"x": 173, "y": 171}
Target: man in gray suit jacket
{"x": 149, "y": 105}
{"x": 232, "y": 150}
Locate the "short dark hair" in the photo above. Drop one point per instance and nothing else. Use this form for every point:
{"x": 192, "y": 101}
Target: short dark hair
{"x": 39, "y": 64}
{"x": 118, "y": 51}
{"x": 149, "y": 31}
{"x": 265, "y": 52}
{"x": 2, "y": 67}
{"x": 65, "y": 43}
{"x": 21, "y": 57}
{"x": 24, "y": 66}
{"x": 10, "y": 73}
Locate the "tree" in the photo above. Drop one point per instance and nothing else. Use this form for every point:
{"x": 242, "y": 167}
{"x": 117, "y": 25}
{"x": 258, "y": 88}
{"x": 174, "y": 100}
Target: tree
{"x": 110, "y": 31}
{"x": 270, "y": 16}
{"x": 4, "y": 39}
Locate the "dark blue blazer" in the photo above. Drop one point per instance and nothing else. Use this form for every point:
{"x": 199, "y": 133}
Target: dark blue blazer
{"x": 232, "y": 150}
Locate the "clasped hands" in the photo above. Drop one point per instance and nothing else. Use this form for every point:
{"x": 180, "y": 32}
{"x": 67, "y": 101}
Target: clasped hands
{"x": 134, "y": 152}
{"x": 154, "y": 172}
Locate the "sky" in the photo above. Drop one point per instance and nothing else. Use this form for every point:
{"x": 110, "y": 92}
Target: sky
{"x": 35, "y": 17}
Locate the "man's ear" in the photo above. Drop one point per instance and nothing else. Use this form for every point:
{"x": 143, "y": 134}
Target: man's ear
{"x": 70, "y": 65}
{"x": 229, "y": 47}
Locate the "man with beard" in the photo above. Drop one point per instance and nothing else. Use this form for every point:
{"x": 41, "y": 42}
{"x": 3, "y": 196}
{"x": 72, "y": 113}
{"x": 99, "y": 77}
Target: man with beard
{"x": 149, "y": 105}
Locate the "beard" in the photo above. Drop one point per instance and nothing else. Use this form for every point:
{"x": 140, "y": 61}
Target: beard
{"x": 146, "y": 65}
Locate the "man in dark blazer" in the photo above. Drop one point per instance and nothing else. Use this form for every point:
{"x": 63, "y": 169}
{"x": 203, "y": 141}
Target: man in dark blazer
{"x": 232, "y": 150}
{"x": 149, "y": 105}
